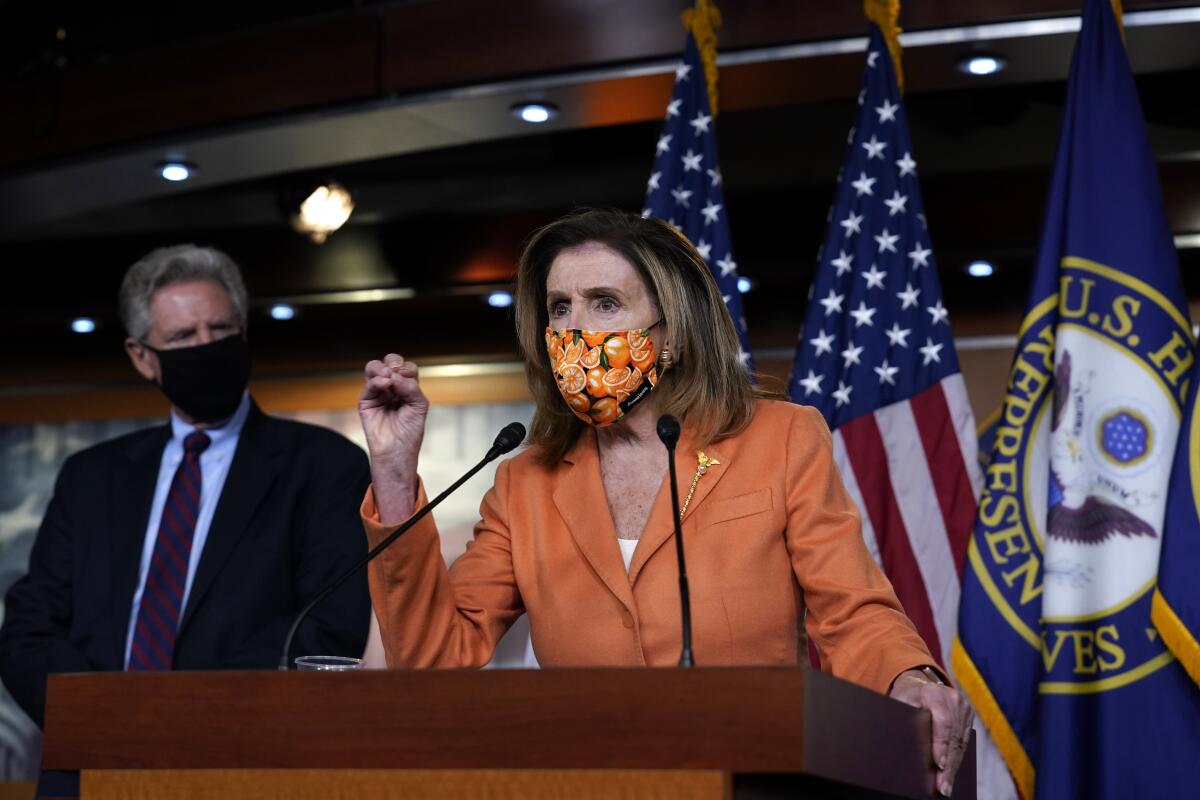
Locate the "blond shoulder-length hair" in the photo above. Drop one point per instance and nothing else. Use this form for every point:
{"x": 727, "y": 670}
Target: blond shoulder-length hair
{"x": 707, "y": 388}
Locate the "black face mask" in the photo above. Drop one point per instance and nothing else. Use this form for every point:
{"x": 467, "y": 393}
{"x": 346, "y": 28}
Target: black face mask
{"x": 206, "y": 381}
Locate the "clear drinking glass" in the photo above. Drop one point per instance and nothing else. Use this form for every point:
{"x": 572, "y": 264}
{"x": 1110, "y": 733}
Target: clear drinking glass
{"x": 328, "y": 663}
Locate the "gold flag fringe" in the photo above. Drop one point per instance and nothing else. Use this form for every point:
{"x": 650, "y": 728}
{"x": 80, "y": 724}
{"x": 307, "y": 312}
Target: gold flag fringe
{"x": 1120, "y": 17}
{"x": 886, "y": 14}
{"x": 702, "y": 21}
{"x": 1176, "y": 635}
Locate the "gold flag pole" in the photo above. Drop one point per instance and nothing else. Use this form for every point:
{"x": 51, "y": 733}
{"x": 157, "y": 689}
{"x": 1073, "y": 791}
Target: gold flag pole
{"x": 886, "y": 14}
{"x": 703, "y": 21}
{"x": 1119, "y": 15}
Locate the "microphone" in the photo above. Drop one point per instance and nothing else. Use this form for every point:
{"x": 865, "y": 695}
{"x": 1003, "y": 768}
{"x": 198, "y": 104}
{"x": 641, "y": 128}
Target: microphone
{"x": 506, "y": 441}
{"x": 668, "y": 434}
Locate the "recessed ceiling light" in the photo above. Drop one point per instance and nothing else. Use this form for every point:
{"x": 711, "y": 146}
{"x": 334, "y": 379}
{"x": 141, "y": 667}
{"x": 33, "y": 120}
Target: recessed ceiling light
{"x": 500, "y": 299}
{"x": 982, "y": 64}
{"x": 282, "y": 311}
{"x": 175, "y": 171}
{"x": 980, "y": 269}
{"x": 535, "y": 113}
{"x": 83, "y": 324}
{"x": 744, "y": 284}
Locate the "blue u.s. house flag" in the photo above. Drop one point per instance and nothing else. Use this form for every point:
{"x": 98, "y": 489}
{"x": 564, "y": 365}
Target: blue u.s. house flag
{"x": 685, "y": 190}
{"x": 1176, "y": 607}
{"x": 1056, "y": 646}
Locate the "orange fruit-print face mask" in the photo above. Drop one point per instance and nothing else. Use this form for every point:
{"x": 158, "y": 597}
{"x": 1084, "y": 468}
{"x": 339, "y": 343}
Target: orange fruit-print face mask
{"x": 602, "y": 374}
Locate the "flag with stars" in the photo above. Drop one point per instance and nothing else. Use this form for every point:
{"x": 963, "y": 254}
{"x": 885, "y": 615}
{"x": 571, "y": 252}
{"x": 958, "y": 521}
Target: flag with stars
{"x": 876, "y": 356}
{"x": 685, "y": 191}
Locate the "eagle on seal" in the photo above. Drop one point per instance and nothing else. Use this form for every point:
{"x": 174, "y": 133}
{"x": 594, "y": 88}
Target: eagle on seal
{"x": 1075, "y": 515}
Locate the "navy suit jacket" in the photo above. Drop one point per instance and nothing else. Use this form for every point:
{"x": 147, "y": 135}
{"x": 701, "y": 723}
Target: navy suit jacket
{"x": 286, "y": 524}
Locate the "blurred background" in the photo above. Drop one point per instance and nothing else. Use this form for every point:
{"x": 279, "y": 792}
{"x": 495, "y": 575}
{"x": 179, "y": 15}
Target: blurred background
{"x": 410, "y": 107}
{"x": 126, "y": 127}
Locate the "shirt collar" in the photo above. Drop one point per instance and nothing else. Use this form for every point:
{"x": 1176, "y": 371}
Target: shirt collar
{"x": 227, "y": 429}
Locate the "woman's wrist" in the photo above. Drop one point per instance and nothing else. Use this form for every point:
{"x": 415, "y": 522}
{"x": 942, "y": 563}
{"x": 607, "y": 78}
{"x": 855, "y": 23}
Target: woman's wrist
{"x": 922, "y": 674}
{"x": 395, "y": 487}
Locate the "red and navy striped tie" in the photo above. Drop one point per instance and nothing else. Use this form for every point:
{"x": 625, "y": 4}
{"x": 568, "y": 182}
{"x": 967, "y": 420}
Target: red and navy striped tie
{"x": 162, "y": 597}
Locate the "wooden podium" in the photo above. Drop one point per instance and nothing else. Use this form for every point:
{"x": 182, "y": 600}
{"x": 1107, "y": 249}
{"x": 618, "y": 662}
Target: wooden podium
{"x": 554, "y": 733}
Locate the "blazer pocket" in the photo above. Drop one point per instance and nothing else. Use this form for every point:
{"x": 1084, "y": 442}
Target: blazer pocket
{"x": 764, "y": 630}
{"x": 728, "y": 508}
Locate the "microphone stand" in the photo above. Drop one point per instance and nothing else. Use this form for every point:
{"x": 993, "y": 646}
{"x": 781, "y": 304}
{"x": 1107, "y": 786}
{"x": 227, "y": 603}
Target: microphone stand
{"x": 668, "y": 432}
{"x": 515, "y": 433}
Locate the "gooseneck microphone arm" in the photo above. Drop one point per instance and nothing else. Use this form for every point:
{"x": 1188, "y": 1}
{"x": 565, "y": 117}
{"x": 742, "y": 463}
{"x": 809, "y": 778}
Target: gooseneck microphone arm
{"x": 508, "y": 439}
{"x": 668, "y": 433}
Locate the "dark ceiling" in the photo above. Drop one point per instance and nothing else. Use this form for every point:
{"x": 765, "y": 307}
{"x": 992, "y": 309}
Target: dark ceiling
{"x": 52, "y": 34}
{"x": 448, "y": 222}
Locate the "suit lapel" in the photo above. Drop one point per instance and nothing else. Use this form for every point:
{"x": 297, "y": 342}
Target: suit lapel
{"x": 256, "y": 463}
{"x": 580, "y": 500}
{"x": 660, "y": 527}
{"x": 134, "y": 482}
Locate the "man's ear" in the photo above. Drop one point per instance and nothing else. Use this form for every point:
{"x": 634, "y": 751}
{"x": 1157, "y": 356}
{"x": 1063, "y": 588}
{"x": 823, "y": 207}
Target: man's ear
{"x": 144, "y": 361}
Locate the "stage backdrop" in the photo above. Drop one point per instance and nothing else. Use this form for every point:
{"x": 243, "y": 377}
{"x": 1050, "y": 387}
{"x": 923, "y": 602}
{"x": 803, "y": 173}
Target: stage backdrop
{"x": 30, "y": 456}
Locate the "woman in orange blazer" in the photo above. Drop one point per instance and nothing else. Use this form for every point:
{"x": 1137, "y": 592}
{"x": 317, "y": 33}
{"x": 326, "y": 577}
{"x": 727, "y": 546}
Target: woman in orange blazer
{"x": 620, "y": 321}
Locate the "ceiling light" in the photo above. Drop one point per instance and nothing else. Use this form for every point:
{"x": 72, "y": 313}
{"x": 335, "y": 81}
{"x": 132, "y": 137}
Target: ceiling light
{"x": 175, "y": 171}
{"x": 980, "y": 269}
{"x": 83, "y": 324}
{"x": 982, "y": 64}
{"x": 324, "y": 211}
{"x": 535, "y": 113}
{"x": 282, "y": 311}
{"x": 744, "y": 284}
{"x": 500, "y": 299}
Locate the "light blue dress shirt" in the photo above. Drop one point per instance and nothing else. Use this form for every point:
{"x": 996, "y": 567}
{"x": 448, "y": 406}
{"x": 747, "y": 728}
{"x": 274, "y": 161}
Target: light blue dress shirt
{"x": 214, "y": 468}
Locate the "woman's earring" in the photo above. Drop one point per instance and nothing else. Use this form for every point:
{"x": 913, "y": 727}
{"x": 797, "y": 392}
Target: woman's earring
{"x": 665, "y": 360}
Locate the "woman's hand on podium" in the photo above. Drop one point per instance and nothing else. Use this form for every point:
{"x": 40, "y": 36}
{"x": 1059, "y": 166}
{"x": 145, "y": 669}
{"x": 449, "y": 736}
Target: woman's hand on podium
{"x": 952, "y": 718}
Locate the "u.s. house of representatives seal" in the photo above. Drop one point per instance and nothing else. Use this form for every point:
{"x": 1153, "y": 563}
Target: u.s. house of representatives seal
{"x": 1070, "y": 523}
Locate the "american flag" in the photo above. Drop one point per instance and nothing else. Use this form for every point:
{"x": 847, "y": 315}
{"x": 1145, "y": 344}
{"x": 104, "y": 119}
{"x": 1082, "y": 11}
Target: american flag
{"x": 876, "y": 356}
{"x": 684, "y": 189}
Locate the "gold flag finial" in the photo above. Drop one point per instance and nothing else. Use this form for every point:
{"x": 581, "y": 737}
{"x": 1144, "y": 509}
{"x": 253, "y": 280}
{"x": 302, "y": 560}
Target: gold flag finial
{"x": 703, "y": 21}
{"x": 886, "y": 14}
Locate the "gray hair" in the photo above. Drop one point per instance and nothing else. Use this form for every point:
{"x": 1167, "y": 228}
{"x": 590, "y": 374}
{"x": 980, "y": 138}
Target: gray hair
{"x": 178, "y": 264}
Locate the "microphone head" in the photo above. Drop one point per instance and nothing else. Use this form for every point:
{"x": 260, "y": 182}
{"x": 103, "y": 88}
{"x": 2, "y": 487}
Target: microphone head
{"x": 668, "y": 430}
{"x": 508, "y": 438}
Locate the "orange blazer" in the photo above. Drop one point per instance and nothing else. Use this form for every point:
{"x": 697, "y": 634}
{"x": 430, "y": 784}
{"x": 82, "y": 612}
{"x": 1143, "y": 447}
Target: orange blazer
{"x": 770, "y": 532}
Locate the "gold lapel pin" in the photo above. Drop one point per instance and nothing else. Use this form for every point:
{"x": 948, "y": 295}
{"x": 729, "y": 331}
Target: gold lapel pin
{"x": 703, "y": 462}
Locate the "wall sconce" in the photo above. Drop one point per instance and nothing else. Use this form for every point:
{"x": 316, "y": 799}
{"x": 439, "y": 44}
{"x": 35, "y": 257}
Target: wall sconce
{"x": 323, "y": 211}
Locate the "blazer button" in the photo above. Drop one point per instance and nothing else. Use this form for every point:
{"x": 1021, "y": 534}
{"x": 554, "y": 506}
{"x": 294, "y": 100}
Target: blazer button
{"x": 627, "y": 618}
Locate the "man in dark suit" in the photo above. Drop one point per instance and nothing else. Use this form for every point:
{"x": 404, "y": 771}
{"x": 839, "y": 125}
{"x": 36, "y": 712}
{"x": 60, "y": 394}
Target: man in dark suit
{"x": 191, "y": 545}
